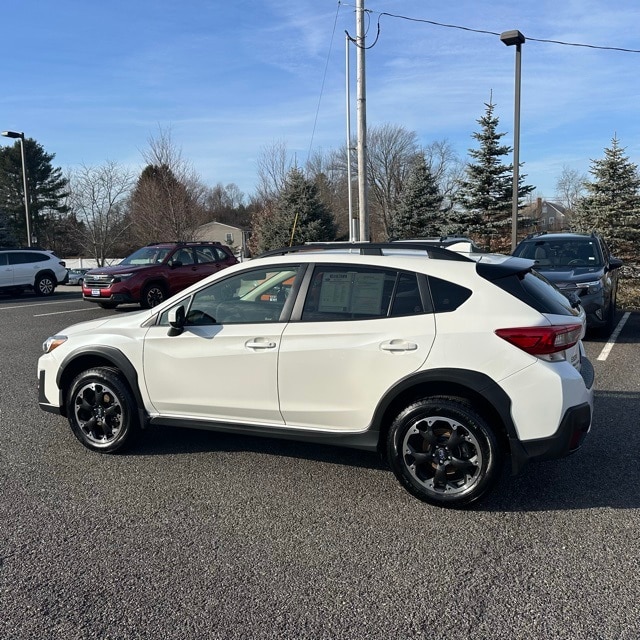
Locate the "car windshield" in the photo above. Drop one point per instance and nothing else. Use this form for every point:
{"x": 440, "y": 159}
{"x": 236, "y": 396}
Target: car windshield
{"x": 562, "y": 253}
{"x": 146, "y": 255}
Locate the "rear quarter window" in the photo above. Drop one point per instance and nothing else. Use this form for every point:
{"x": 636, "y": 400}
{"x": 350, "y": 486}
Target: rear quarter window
{"x": 447, "y": 296}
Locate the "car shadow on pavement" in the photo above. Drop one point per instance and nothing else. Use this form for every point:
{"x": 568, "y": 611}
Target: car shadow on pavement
{"x": 170, "y": 441}
{"x": 603, "y": 473}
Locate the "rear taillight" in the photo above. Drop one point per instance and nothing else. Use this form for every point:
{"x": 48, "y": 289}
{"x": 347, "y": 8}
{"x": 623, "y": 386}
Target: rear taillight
{"x": 540, "y": 341}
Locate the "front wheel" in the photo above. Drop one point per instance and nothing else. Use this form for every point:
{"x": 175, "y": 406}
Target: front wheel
{"x": 443, "y": 452}
{"x": 44, "y": 285}
{"x": 101, "y": 410}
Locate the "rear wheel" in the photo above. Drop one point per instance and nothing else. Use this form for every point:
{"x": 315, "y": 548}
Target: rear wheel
{"x": 101, "y": 410}
{"x": 44, "y": 285}
{"x": 152, "y": 295}
{"x": 443, "y": 452}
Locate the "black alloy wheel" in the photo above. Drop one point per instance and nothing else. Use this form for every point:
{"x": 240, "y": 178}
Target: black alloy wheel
{"x": 101, "y": 410}
{"x": 443, "y": 452}
{"x": 152, "y": 295}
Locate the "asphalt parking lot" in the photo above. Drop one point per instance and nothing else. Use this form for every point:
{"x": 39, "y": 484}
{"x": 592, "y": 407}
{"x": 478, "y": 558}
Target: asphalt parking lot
{"x": 202, "y": 535}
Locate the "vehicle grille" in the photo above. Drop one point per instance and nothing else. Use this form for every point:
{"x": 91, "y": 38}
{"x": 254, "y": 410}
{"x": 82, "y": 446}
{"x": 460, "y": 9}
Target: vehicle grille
{"x": 98, "y": 281}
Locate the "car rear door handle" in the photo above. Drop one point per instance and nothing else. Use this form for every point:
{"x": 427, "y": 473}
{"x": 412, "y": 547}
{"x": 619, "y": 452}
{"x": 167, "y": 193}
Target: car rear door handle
{"x": 398, "y": 345}
{"x": 258, "y": 343}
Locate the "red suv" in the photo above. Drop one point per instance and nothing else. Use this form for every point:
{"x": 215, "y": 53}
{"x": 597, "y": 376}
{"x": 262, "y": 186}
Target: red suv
{"x": 155, "y": 272}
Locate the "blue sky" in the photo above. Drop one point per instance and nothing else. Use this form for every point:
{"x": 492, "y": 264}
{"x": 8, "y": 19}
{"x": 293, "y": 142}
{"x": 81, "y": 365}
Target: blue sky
{"x": 94, "y": 81}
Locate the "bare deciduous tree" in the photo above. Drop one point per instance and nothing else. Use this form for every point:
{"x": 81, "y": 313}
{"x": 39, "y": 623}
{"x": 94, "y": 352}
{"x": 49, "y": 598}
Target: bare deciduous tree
{"x": 570, "y": 187}
{"x": 391, "y": 150}
{"x": 98, "y": 197}
{"x": 274, "y": 165}
{"x": 168, "y": 200}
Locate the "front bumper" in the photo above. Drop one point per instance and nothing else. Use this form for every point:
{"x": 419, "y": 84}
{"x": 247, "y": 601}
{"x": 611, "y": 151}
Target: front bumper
{"x": 106, "y": 295}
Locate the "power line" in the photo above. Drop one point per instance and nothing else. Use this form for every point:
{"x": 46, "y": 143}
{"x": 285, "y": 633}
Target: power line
{"x": 324, "y": 78}
{"x": 491, "y": 33}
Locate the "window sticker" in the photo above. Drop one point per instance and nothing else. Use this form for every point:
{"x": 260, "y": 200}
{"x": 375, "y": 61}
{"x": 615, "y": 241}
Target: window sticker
{"x": 351, "y": 292}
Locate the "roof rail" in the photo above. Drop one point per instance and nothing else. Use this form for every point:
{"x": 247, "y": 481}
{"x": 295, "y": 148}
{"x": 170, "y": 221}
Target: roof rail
{"x": 371, "y": 249}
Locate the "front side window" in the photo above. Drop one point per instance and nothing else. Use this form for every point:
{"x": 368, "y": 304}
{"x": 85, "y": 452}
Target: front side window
{"x": 253, "y": 296}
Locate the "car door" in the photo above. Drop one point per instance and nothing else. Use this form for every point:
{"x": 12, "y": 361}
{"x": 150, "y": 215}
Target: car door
{"x": 6, "y": 270}
{"x": 183, "y": 270}
{"x": 360, "y": 331}
{"x": 223, "y": 365}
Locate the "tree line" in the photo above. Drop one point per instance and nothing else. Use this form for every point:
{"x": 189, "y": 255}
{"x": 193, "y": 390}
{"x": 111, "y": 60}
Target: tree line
{"x": 414, "y": 191}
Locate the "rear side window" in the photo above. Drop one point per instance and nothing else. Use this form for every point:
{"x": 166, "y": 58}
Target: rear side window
{"x": 338, "y": 292}
{"x": 447, "y": 296}
{"x": 27, "y": 257}
{"x": 536, "y": 291}
{"x": 211, "y": 254}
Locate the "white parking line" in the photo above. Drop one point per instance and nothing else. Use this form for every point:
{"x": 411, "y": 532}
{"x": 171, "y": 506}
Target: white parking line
{"x": 604, "y": 354}
{"x": 57, "y": 313}
{"x": 37, "y": 304}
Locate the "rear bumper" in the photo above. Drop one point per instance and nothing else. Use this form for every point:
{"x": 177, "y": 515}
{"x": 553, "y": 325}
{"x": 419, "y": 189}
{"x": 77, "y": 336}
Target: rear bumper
{"x": 571, "y": 433}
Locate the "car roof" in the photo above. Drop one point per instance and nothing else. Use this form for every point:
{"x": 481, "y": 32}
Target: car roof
{"x": 560, "y": 236}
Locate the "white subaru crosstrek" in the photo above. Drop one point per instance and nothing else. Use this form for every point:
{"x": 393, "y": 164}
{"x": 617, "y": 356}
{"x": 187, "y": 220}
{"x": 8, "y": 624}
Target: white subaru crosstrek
{"x": 444, "y": 364}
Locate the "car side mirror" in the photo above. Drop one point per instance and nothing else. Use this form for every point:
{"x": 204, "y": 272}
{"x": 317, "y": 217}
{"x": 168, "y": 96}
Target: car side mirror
{"x": 177, "y": 319}
{"x": 175, "y": 263}
{"x": 615, "y": 263}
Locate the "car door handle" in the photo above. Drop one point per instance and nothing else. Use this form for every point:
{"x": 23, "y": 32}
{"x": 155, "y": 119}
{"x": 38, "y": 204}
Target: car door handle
{"x": 257, "y": 343}
{"x": 398, "y": 345}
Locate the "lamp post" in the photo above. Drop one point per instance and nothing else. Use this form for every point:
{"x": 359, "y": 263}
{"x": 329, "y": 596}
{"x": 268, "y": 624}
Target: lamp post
{"x": 511, "y": 38}
{"x": 20, "y": 136}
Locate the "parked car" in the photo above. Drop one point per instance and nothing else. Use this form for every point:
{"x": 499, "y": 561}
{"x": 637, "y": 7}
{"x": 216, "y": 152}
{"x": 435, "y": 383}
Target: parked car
{"x": 76, "y": 276}
{"x": 578, "y": 264}
{"x": 155, "y": 272}
{"x": 31, "y": 268}
{"x": 435, "y": 360}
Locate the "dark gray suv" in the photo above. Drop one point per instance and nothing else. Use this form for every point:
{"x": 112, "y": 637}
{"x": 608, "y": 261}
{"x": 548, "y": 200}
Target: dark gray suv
{"x": 578, "y": 264}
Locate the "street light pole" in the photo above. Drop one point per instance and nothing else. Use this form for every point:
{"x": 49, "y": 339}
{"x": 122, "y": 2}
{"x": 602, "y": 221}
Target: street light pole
{"x": 20, "y": 136}
{"x": 516, "y": 38}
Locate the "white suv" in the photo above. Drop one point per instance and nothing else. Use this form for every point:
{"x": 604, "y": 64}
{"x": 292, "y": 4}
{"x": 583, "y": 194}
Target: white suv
{"x": 443, "y": 364}
{"x": 35, "y": 269}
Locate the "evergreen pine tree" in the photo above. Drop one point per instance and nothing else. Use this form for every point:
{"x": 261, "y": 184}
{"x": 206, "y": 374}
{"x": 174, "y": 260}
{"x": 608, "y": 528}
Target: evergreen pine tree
{"x": 612, "y": 204}
{"x": 7, "y": 237}
{"x": 419, "y": 211}
{"x": 487, "y": 192}
{"x": 46, "y": 185}
{"x": 298, "y": 216}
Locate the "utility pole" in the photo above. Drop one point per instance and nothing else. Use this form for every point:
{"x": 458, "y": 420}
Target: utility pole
{"x": 363, "y": 210}
{"x": 353, "y": 226}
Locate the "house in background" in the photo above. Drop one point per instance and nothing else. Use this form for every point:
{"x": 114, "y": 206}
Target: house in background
{"x": 234, "y": 237}
{"x": 546, "y": 216}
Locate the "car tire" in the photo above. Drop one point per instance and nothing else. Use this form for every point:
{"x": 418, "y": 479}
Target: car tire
{"x": 152, "y": 295}
{"x": 443, "y": 452}
{"x": 44, "y": 285}
{"x": 605, "y": 331}
{"x": 101, "y": 410}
